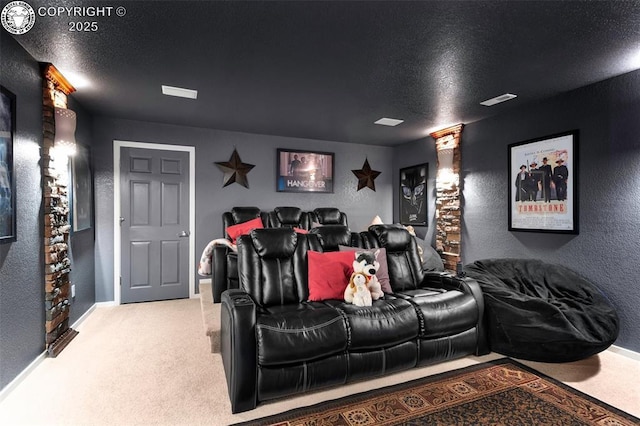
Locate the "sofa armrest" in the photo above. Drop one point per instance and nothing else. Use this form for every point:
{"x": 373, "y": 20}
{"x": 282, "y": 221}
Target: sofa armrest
{"x": 238, "y": 348}
{"x": 219, "y": 266}
{"x": 466, "y": 285}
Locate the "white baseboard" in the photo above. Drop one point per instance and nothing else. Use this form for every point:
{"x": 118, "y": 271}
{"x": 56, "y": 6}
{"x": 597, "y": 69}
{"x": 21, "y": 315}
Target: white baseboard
{"x": 105, "y": 304}
{"x": 625, "y": 352}
{"x": 84, "y": 316}
{"x": 25, "y": 373}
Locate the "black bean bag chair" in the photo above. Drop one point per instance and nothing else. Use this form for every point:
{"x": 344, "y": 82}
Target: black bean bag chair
{"x": 543, "y": 312}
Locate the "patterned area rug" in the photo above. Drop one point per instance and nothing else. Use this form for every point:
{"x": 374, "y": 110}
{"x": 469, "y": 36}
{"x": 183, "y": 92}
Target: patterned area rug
{"x": 501, "y": 392}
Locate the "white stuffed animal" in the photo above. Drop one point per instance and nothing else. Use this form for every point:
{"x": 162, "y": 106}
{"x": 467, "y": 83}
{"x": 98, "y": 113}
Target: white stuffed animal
{"x": 367, "y": 264}
{"x": 357, "y": 291}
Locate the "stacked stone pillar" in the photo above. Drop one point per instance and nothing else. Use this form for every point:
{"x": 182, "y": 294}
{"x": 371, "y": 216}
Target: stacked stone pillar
{"x": 449, "y": 196}
{"x": 55, "y": 90}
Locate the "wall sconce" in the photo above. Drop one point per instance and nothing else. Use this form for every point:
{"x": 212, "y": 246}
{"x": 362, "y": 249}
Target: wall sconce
{"x": 65, "y": 138}
{"x": 446, "y": 178}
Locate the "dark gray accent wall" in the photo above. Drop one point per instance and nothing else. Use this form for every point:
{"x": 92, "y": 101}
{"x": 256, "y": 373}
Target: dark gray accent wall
{"x": 212, "y": 199}
{"x": 412, "y": 154}
{"x": 81, "y": 244}
{"x": 22, "y": 308}
{"x": 607, "y": 250}
{"x": 21, "y": 262}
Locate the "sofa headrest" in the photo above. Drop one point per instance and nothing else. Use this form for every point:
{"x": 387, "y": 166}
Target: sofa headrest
{"x": 392, "y": 237}
{"x": 332, "y": 236}
{"x": 328, "y": 215}
{"x": 272, "y": 243}
{"x": 288, "y": 215}
{"x": 244, "y": 214}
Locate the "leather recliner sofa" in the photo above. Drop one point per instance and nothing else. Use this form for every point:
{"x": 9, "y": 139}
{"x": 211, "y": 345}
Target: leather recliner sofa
{"x": 224, "y": 260}
{"x": 275, "y": 343}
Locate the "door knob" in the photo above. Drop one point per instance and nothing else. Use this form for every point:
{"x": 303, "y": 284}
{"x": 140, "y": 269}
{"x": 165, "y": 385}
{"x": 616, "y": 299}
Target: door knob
{"x": 182, "y": 234}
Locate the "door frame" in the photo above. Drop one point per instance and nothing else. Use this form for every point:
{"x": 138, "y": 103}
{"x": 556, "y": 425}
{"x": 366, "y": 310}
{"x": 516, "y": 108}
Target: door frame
{"x": 117, "y": 145}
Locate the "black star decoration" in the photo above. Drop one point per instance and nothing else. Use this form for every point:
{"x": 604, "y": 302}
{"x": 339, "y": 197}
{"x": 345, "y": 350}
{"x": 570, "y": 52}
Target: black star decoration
{"x": 366, "y": 176}
{"x": 235, "y": 171}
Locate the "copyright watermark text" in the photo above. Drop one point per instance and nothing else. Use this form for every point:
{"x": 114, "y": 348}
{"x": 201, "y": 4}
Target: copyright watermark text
{"x": 81, "y": 11}
{"x": 18, "y": 17}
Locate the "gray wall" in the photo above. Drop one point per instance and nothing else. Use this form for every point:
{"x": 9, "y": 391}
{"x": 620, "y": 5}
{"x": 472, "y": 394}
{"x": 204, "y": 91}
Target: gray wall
{"x": 411, "y": 154}
{"x": 212, "y": 199}
{"x": 22, "y": 316}
{"x": 21, "y": 262}
{"x": 81, "y": 244}
{"x": 607, "y": 249}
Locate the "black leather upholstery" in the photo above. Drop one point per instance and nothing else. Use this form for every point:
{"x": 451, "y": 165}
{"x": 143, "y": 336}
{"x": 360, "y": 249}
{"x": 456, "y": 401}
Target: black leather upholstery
{"x": 448, "y": 305}
{"x": 298, "y": 345}
{"x": 300, "y": 333}
{"x": 289, "y": 217}
{"x": 224, "y": 261}
{"x": 273, "y": 267}
{"x": 331, "y": 237}
{"x": 328, "y": 216}
{"x": 388, "y": 322}
{"x": 238, "y": 348}
{"x": 242, "y": 214}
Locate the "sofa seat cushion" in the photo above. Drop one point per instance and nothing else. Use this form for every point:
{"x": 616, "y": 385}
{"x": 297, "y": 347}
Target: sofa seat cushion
{"x": 388, "y": 322}
{"x": 444, "y": 313}
{"x": 298, "y": 333}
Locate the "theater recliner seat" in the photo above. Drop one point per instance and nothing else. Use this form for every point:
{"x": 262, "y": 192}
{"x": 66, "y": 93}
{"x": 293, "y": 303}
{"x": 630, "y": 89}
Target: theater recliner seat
{"x": 224, "y": 260}
{"x": 275, "y": 343}
{"x": 543, "y": 312}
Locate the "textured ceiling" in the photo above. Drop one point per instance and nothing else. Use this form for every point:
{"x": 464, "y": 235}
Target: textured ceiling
{"x": 328, "y": 70}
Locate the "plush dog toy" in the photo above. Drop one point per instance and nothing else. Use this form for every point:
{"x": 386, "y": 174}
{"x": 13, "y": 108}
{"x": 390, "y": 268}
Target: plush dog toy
{"x": 357, "y": 291}
{"x": 366, "y": 263}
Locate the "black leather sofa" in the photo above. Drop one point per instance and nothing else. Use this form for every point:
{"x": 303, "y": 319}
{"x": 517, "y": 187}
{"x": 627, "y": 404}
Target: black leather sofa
{"x": 275, "y": 343}
{"x": 224, "y": 260}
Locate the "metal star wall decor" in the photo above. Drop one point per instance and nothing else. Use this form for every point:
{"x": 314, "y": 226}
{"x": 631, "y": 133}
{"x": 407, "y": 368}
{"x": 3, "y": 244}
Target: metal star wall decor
{"x": 235, "y": 171}
{"x": 366, "y": 176}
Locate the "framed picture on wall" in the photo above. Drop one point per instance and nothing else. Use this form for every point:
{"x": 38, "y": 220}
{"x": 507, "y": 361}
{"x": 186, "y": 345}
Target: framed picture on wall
{"x": 304, "y": 171}
{"x": 82, "y": 194}
{"x": 413, "y": 195}
{"x": 7, "y": 177}
{"x": 543, "y": 184}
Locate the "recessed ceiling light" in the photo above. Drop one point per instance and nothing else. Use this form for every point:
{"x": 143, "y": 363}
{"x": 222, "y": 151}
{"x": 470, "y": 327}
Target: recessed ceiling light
{"x": 180, "y": 92}
{"x": 389, "y": 121}
{"x": 498, "y": 99}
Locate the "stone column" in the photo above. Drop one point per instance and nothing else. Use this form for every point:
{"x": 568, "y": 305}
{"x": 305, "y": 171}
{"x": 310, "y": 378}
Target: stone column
{"x": 57, "y": 286}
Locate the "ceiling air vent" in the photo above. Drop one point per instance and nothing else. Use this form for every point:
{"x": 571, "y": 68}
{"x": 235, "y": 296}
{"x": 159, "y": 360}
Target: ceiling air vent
{"x": 498, "y": 99}
{"x": 388, "y": 121}
{"x": 180, "y": 92}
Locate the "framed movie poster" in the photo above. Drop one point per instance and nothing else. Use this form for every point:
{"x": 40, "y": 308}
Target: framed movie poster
{"x": 304, "y": 171}
{"x": 413, "y": 195}
{"x": 7, "y": 178}
{"x": 543, "y": 184}
{"x": 82, "y": 194}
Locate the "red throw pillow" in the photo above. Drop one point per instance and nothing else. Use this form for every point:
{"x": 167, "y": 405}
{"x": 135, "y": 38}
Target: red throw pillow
{"x": 234, "y": 231}
{"x": 300, "y": 230}
{"x": 329, "y": 274}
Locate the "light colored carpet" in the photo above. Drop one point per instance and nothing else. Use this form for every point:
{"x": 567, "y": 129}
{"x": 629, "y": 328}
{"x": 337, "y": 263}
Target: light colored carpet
{"x": 151, "y": 364}
{"x": 210, "y": 316}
